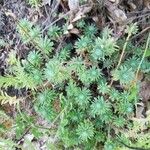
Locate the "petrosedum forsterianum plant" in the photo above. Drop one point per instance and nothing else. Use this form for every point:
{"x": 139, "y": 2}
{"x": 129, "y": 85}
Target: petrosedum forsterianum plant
{"x": 72, "y": 87}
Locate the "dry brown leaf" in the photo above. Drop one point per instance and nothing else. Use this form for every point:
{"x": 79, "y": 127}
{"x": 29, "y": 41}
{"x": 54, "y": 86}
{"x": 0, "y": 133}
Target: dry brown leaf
{"x": 57, "y": 106}
{"x": 8, "y": 124}
{"x": 82, "y": 11}
{"x": 75, "y": 31}
{"x": 116, "y": 15}
{"x": 147, "y": 3}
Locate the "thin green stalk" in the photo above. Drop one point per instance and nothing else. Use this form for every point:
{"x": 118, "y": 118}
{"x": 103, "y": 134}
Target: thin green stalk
{"x": 138, "y": 69}
{"x": 122, "y": 54}
{"x": 146, "y": 48}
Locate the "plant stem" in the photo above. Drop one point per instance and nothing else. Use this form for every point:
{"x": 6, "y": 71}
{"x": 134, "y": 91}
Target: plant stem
{"x": 146, "y": 48}
{"x": 122, "y": 54}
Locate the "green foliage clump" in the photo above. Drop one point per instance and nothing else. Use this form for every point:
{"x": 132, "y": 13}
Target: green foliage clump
{"x": 104, "y": 46}
{"x": 82, "y": 89}
{"x": 85, "y": 131}
{"x": 124, "y": 75}
{"x": 45, "y": 101}
{"x": 100, "y": 107}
